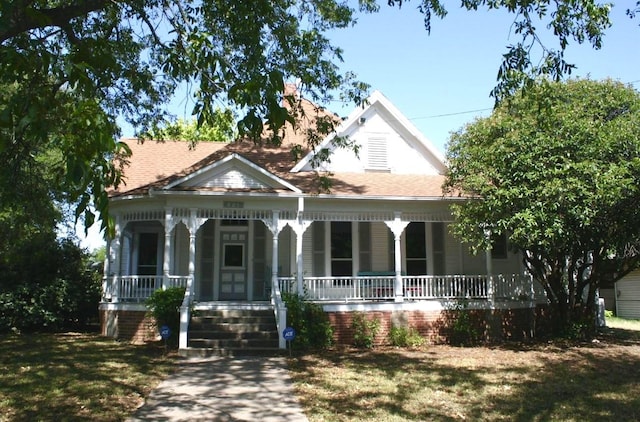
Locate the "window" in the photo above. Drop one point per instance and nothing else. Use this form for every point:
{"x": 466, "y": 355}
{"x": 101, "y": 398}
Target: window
{"x": 499, "y": 246}
{"x": 416, "y": 248}
{"x": 233, "y": 256}
{"x": 148, "y": 254}
{"x": 341, "y": 248}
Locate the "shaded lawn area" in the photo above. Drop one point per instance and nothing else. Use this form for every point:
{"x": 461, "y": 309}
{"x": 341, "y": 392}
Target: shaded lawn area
{"x": 75, "y": 376}
{"x": 560, "y": 380}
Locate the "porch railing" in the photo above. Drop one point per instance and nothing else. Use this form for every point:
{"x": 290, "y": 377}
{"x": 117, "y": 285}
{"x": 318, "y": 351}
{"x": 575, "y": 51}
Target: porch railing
{"x": 499, "y": 287}
{"x": 137, "y": 288}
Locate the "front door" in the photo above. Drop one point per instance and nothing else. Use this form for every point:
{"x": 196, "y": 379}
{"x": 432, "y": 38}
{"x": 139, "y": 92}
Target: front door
{"x": 233, "y": 271}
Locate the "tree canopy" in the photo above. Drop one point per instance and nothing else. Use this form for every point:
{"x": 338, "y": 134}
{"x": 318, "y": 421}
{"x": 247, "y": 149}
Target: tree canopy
{"x": 220, "y": 128}
{"x": 557, "y": 169}
{"x": 72, "y": 68}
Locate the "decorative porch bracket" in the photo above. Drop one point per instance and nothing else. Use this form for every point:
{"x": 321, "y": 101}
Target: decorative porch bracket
{"x": 397, "y": 227}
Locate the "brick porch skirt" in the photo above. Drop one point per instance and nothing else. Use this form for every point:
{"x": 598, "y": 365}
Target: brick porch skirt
{"x": 132, "y": 323}
{"x": 129, "y": 324}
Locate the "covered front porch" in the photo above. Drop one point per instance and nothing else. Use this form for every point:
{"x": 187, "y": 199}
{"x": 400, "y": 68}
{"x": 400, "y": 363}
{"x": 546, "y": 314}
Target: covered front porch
{"x": 240, "y": 251}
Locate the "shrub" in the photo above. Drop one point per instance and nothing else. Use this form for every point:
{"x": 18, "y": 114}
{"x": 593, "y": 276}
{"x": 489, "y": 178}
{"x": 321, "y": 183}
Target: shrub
{"x": 405, "y": 337}
{"x": 47, "y": 285}
{"x": 164, "y": 307}
{"x": 364, "y": 330}
{"x": 313, "y": 329}
{"x": 464, "y": 332}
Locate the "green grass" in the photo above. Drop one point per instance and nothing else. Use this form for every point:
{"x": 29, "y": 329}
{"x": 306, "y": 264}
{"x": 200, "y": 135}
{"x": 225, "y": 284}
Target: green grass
{"x": 73, "y": 376}
{"x": 555, "y": 381}
{"x": 626, "y": 324}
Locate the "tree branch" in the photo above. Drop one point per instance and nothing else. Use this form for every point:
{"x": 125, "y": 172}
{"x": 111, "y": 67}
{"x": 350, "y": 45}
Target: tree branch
{"x": 24, "y": 18}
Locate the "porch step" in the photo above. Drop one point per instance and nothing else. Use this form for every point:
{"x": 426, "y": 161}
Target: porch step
{"x": 232, "y": 332}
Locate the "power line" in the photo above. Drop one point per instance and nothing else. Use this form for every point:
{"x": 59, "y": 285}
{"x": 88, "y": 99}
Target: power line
{"x": 477, "y": 110}
{"x": 451, "y": 114}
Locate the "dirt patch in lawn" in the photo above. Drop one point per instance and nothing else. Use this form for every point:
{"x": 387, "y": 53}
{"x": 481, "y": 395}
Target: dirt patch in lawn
{"x": 557, "y": 380}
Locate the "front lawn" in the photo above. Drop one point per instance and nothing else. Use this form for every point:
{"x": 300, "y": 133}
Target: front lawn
{"x": 73, "y": 376}
{"x": 86, "y": 377}
{"x": 559, "y": 380}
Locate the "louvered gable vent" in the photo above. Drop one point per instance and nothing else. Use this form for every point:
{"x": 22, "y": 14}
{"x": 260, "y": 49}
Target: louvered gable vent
{"x": 234, "y": 179}
{"x": 377, "y": 154}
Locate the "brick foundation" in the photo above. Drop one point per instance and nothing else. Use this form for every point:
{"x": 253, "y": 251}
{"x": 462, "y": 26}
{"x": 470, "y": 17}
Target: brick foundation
{"x": 129, "y": 325}
{"x": 436, "y": 326}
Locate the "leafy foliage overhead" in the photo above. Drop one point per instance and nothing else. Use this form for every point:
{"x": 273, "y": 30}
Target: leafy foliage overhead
{"x": 222, "y": 130}
{"x": 71, "y": 68}
{"x": 557, "y": 169}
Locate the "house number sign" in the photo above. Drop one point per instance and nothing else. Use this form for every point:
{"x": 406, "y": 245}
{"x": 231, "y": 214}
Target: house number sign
{"x": 233, "y": 204}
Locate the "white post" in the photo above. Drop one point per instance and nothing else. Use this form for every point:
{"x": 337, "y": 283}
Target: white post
{"x": 275, "y": 231}
{"x": 115, "y": 252}
{"x": 397, "y": 226}
{"x": 106, "y": 269}
{"x": 168, "y": 227}
{"x": 489, "y": 266}
{"x": 185, "y": 309}
{"x": 299, "y": 228}
{"x": 185, "y": 316}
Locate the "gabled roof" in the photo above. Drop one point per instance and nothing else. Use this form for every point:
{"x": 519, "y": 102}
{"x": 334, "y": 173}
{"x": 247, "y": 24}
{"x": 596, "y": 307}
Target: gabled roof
{"x": 378, "y": 100}
{"x": 173, "y": 165}
{"x": 232, "y": 172}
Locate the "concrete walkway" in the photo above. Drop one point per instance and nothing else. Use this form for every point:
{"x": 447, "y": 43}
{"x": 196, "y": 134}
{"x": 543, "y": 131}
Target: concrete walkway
{"x": 225, "y": 389}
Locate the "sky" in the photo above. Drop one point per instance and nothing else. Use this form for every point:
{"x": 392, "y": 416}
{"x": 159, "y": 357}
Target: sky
{"x": 437, "y": 81}
{"x": 442, "y": 81}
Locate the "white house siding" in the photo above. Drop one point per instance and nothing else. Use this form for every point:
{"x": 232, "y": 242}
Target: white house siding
{"x": 609, "y": 296}
{"x": 511, "y": 265}
{"x": 307, "y": 252}
{"x": 180, "y": 250}
{"x": 628, "y": 296}
{"x": 380, "y": 247}
{"x": 473, "y": 264}
{"x": 452, "y": 253}
{"x": 125, "y": 254}
{"x": 286, "y": 250}
{"x": 376, "y": 136}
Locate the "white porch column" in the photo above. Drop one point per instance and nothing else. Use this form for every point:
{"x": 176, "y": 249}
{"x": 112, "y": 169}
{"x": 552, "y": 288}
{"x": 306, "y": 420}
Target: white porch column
{"x": 489, "y": 267}
{"x": 114, "y": 257}
{"x": 397, "y": 226}
{"x": 106, "y": 271}
{"x": 166, "y": 262}
{"x": 299, "y": 227}
{"x": 275, "y": 226}
{"x": 194, "y": 225}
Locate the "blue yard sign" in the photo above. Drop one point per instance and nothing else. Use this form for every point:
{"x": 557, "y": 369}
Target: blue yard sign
{"x": 165, "y": 332}
{"x": 289, "y": 333}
